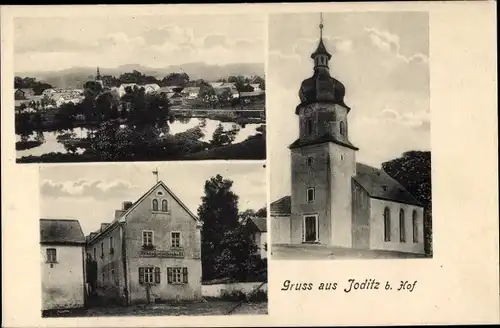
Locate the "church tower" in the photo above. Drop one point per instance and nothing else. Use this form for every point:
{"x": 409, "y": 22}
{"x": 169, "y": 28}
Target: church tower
{"x": 323, "y": 160}
{"x": 98, "y": 77}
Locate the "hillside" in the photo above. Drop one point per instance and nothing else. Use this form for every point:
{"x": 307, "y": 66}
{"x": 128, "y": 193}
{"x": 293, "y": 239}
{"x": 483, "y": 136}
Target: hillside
{"x": 75, "y": 77}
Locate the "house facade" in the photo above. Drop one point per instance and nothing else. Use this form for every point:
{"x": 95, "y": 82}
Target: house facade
{"x": 150, "y": 251}
{"x": 257, "y": 227}
{"x": 62, "y": 250}
{"x": 23, "y": 94}
{"x": 334, "y": 200}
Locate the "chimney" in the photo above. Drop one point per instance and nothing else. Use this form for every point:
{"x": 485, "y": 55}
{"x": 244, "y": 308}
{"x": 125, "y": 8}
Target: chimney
{"x": 104, "y": 226}
{"x": 126, "y": 205}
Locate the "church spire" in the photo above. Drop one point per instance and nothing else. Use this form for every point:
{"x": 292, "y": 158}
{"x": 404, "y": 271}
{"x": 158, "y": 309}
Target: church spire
{"x": 321, "y": 56}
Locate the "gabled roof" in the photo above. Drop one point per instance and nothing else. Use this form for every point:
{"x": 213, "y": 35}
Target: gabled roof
{"x": 60, "y": 231}
{"x": 282, "y": 206}
{"x": 160, "y": 183}
{"x": 24, "y": 90}
{"x": 122, "y": 217}
{"x": 191, "y": 89}
{"x": 259, "y": 223}
{"x": 379, "y": 184}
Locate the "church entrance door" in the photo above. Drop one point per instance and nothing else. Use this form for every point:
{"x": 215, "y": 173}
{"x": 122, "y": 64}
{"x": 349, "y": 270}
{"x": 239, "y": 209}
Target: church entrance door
{"x": 310, "y": 228}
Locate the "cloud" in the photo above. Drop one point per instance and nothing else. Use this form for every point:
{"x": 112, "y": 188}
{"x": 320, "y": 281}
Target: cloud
{"x": 215, "y": 40}
{"x": 98, "y": 189}
{"x": 56, "y": 44}
{"x": 417, "y": 119}
{"x": 389, "y": 42}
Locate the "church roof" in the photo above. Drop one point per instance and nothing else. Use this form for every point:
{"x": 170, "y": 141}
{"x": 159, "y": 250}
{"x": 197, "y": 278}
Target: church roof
{"x": 321, "y": 50}
{"x": 326, "y": 138}
{"x": 60, "y": 231}
{"x": 379, "y": 184}
{"x": 282, "y": 206}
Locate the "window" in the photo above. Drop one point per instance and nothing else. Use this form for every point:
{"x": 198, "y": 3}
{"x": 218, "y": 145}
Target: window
{"x": 155, "y": 204}
{"x": 102, "y": 250}
{"x": 402, "y": 227}
{"x": 341, "y": 157}
{"x": 95, "y": 253}
{"x": 149, "y": 275}
{"x": 309, "y": 126}
{"x": 164, "y": 205}
{"x": 51, "y": 255}
{"x": 415, "y": 227}
{"x": 177, "y": 275}
{"x": 176, "y": 240}
{"x": 342, "y": 128}
{"x": 147, "y": 238}
{"x": 310, "y": 195}
{"x": 387, "y": 224}
{"x": 309, "y": 161}
{"x": 111, "y": 248}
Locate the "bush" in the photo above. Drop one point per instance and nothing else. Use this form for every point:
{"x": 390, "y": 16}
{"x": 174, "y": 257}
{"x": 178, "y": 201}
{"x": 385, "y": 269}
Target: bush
{"x": 235, "y": 295}
{"x": 257, "y": 296}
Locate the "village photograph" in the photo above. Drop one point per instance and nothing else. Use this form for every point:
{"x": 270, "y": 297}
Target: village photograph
{"x": 142, "y": 88}
{"x": 350, "y": 134}
{"x": 169, "y": 240}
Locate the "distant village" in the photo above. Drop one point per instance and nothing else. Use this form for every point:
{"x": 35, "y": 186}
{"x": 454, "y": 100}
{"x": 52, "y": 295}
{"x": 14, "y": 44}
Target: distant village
{"x": 182, "y": 93}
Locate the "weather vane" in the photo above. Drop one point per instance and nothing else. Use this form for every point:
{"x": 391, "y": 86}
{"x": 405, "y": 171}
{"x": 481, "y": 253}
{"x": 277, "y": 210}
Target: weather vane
{"x": 155, "y": 172}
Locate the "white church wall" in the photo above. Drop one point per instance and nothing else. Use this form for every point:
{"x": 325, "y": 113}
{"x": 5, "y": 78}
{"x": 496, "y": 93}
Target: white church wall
{"x": 280, "y": 226}
{"x": 377, "y": 227}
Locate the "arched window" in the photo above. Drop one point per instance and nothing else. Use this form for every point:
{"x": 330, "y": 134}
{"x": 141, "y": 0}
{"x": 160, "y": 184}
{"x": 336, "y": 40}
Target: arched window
{"x": 402, "y": 227}
{"x": 155, "y": 204}
{"x": 342, "y": 128}
{"x": 164, "y": 205}
{"x": 415, "y": 226}
{"x": 309, "y": 126}
{"x": 387, "y": 224}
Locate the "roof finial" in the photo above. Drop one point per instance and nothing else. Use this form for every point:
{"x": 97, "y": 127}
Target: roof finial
{"x": 321, "y": 25}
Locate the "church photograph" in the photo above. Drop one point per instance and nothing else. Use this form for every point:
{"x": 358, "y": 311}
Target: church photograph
{"x": 350, "y": 170}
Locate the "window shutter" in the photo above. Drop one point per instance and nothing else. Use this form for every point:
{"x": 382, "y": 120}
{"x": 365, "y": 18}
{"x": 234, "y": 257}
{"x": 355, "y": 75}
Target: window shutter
{"x": 169, "y": 275}
{"x": 157, "y": 275}
{"x": 185, "y": 275}
{"x": 141, "y": 275}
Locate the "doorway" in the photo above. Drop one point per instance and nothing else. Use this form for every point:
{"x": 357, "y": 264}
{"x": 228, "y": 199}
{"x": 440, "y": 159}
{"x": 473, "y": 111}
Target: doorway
{"x": 310, "y": 228}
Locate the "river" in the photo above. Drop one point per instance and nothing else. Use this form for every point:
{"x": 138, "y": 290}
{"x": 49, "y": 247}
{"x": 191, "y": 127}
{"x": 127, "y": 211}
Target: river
{"x": 52, "y": 145}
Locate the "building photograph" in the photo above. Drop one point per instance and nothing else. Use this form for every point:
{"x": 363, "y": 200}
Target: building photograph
{"x": 148, "y": 239}
{"x": 350, "y": 133}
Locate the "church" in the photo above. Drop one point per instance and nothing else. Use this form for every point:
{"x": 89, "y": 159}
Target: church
{"x": 335, "y": 201}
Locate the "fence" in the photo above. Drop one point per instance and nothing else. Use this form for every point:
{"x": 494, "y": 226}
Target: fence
{"x": 219, "y": 289}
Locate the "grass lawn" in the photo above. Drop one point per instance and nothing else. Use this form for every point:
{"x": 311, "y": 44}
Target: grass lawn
{"x": 316, "y": 252}
{"x": 213, "y": 307}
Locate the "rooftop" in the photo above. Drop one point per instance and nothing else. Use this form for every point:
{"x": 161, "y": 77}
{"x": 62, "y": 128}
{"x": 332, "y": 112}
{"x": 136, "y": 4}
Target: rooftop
{"x": 61, "y": 231}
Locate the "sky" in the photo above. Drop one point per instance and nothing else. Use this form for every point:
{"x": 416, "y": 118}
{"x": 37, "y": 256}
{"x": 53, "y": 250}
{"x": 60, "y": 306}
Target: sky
{"x": 383, "y": 61}
{"x": 91, "y": 193}
{"x": 56, "y": 43}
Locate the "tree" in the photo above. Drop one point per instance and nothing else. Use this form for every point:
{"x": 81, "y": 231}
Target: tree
{"x": 222, "y": 137}
{"x": 219, "y": 214}
{"x": 207, "y": 95}
{"x": 413, "y": 171}
{"x": 225, "y": 96}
